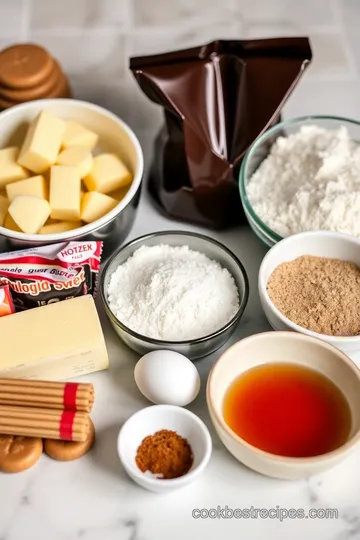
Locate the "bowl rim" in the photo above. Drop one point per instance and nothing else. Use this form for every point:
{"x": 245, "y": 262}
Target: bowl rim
{"x": 335, "y": 340}
{"x": 286, "y": 460}
{"x": 274, "y": 236}
{"x": 68, "y": 236}
{"x": 200, "y": 426}
{"x": 163, "y": 343}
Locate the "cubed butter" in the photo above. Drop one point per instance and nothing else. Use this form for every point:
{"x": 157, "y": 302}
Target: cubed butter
{"x": 107, "y": 174}
{"x": 60, "y": 226}
{"x": 42, "y": 142}
{"x": 77, "y": 156}
{"x": 29, "y": 213}
{"x": 4, "y": 205}
{"x": 10, "y": 170}
{"x": 95, "y": 205}
{"x": 77, "y": 135}
{"x": 35, "y": 187}
{"x": 65, "y": 186}
{"x": 9, "y": 223}
{"x": 120, "y": 193}
{"x": 50, "y": 221}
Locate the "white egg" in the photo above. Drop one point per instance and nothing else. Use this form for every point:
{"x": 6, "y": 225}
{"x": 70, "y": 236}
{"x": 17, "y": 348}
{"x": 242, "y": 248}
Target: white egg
{"x": 167, "y": 377}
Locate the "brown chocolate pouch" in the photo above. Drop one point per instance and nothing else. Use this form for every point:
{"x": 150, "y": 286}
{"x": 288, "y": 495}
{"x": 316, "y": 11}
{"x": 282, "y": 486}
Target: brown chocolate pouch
{"x": 217, "y": 99}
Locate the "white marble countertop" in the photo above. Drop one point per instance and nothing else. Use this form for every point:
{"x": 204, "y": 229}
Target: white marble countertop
{"x": 93, "y": 499}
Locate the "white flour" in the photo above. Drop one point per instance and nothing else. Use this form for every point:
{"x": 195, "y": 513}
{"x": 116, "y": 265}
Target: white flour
{"x": 309, "y": 181}
{"x": 172, "y": 293}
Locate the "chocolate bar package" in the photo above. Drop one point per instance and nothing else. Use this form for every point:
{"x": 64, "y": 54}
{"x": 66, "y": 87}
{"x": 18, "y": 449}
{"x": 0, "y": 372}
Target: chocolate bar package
{"x": 217, "y": 99}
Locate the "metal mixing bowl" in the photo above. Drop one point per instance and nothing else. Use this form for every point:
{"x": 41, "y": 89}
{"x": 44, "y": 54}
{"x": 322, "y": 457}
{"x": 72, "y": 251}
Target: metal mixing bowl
{"x": 195, "y": 348}
{"x": 114, "y": 136}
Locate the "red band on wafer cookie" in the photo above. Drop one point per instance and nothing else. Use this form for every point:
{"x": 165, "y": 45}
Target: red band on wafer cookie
{"x": 70, "y": 392}
{"x": 66, "y": 425}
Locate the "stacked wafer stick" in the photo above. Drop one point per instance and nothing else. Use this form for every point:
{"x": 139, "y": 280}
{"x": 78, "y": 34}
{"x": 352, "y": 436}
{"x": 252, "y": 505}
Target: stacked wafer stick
{"x": 45, "y": 409}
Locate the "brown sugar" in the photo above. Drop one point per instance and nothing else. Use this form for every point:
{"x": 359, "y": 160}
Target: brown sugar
{"x": 319, "y": 294}
{"x": 165, "y": 454}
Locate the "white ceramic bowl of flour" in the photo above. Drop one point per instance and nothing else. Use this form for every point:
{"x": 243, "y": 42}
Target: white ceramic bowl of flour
{"x": 301, "y": 175}
{"x": 328, "y": 244}
{"x": 207, "y": 306}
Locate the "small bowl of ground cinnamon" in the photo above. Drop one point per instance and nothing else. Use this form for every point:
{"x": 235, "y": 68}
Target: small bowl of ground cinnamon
{"x": 164, "y": 447}
{"x": 310, "y": 283}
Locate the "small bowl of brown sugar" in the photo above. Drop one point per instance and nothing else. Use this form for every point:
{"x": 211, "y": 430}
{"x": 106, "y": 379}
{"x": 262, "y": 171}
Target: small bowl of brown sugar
{"x": 310, "y": 283}
{"x": 164, "y": 447}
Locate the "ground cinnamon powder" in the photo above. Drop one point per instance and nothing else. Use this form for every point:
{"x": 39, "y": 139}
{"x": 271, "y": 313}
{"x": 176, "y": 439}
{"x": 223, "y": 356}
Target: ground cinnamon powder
{"x": 165, "y": 453}
{"x": 320, "y": 294}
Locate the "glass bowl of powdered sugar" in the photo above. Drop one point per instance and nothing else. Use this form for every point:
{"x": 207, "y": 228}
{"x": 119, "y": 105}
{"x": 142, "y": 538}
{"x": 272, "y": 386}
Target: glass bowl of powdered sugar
{"x": 302, "y": 175}
{"x": 174, "y": 290}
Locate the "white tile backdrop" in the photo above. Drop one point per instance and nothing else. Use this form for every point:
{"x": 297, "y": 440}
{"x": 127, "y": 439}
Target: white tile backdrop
{"x": 93, "y": 40}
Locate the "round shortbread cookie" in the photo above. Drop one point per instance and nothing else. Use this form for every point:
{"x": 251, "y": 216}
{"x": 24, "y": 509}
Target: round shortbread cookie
{"x": 19, "y": 453}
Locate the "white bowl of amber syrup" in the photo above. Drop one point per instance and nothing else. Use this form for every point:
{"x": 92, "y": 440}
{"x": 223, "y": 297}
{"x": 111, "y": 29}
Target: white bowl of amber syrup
{"x": 324, "y": 244}
{"x": 285, "y": 404}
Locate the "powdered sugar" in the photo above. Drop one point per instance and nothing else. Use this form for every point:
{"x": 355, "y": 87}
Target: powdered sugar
{"x": 309, "y": 181}
{"x": 172, "y": 293}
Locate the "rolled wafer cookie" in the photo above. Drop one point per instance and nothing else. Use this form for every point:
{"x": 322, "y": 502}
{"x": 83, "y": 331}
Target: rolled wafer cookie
{"x": 68, "y": 450}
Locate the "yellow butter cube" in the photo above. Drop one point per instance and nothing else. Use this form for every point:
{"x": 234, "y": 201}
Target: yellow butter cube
{"x": 29, "y": 213}
{"x": 77, "y": 135}
{"x": 10, "y": 170}
{"x": 65, "y": 186}
{"x": 42, "y": 142}
{"x": 60, "y": 226}
{"x": 4, "y": 205}
{"x": 107, "y": 174}
{"x": 95, "y": 205}
{"x": 77, "y": 156}
{"x": 9, "y": 223}
{"x": 120, "y": 193}
{"x": 35, "y": 186}
{"x": 50, "y": 221}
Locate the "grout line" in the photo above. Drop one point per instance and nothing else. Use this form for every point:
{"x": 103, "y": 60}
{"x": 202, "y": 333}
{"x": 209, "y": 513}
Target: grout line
{"x": 26, "y": 19}
{"x": 130, "y": 15}
{"x": 339, "y": 14}
{"x": 64, "y": 31}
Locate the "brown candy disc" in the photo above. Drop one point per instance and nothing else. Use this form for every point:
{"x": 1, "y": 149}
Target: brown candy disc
{"x": 68, "y": 451}
{"x": 19, "y": 453}
{"x": 24, "y": 66}
{"x": 35, "y": 92}
{"x": 61, "y": 89}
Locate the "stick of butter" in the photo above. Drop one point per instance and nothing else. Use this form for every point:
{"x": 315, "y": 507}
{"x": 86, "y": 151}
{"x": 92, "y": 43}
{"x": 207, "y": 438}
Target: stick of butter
{"x": 53, "y": 342}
